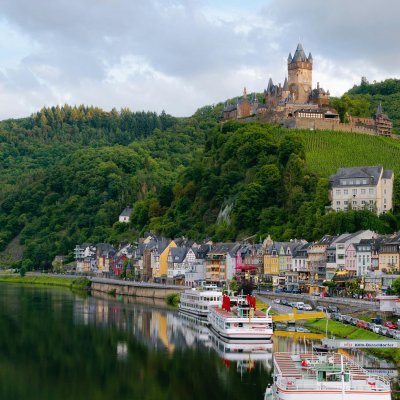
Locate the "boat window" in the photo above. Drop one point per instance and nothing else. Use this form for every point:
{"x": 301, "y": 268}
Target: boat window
{"x": 240, "y": 325}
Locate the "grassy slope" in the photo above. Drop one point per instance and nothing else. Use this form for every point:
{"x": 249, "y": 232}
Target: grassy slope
{"x": 326, "y": 151}
{"x": 351, "y": 332}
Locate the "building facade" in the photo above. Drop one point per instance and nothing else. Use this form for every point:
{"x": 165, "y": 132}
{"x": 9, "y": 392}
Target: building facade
{"x": 362, "y": 188}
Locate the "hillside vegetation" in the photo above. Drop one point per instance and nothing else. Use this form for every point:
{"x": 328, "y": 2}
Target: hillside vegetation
{"x": 67, "y": 173}
{"x": 326, "y": 151}
{"x": 363, "y": 100}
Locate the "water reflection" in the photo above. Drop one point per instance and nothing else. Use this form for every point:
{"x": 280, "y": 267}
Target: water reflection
{"x": 58, "y": 345}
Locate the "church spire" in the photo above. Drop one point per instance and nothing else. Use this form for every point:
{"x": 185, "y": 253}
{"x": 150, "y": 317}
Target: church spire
{"x": 379, "y": 110}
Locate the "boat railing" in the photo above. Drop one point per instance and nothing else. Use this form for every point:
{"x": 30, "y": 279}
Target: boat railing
{"x": 377, "y": 384}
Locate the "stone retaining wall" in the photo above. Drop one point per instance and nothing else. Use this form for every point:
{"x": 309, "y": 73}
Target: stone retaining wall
{"x": 120, "y": 288}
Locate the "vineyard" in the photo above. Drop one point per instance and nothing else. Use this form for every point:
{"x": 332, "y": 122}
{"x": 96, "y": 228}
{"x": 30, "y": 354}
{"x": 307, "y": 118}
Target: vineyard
{"x": 326, "y": 151}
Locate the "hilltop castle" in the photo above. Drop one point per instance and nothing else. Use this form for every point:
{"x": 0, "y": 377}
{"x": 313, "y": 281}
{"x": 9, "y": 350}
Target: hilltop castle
{"x": 295, "y": 104}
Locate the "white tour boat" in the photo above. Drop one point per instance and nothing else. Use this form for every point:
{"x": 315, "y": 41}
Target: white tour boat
{"x": 239, "y": 321}
{"x": 329, "y": 376}
{"x": 196, "y": 301}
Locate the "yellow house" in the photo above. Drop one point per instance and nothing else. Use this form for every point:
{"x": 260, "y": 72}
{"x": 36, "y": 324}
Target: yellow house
{"x": 389, "y": 257}
{"x": 160, "y": 268}
{"x": 271, "y": 262}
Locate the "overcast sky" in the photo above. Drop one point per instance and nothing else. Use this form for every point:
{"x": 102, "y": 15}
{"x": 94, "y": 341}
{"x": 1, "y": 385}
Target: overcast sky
{"x": 178, "y": 55}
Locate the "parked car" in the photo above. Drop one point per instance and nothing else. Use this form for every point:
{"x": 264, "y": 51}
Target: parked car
{"x": 296, "y": 291}
{"x": 320, "y": 308}
{"x": 335, "y": 316}
{"x": 333, "y": 309}
{"x": 390, "y": 325}
{"x": 362, "y": 324}
{"x": 384, "y": 331}
{"x": 346, "y": 319}
{"x": 377, "y": 328}
{"x": 299, "y": 305}
{"x": 307, "y": 307}
{"x": 278, "y": 290}
{"x": 277, "y": 301}
{"x": 325, "y": 294}
{"x": 370, "y": 326}
{"x": 377, "y": 320}
{"x": 391, "y": 333}
{"x": 353, "y": 321}
{"x": 318, "y": 294}
{"x": 396, "y": 335}
{"x": 284, "y": 302}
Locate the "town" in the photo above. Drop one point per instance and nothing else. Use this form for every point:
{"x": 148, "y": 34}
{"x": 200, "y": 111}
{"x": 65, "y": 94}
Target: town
{"x": 331, "y": 265}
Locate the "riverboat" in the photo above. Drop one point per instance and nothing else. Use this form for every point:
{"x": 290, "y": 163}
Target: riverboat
{"x": 196, "y": 301}
{"x": 240, "y": 321}
{"x": 330, "y": 376}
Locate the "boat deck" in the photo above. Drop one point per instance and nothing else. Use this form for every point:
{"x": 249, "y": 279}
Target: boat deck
{"x": 234, "y": 313}
{"x": 306, "y": 365}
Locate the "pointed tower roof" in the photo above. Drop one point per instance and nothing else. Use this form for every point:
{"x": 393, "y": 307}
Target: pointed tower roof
{"x": 286, "y": 86}
{"x": 299, "y": 55}
{"x": 310, "y": 59}
{"x": 244, "y": 92}
{"x": 270, "y": 85}
{"x": 289, "y": 60}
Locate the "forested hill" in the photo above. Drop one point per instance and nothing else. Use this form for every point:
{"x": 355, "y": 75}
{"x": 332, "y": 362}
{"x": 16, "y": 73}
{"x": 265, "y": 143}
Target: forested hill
{"x": 66, "y": 174}
{"x": 363, "y": 100}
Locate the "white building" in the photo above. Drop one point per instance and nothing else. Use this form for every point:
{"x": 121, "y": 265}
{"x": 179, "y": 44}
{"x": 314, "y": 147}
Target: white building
{"x": 364, "y": 258}
{"x": 359, "y": 188}
{"x": 125, "y": 215}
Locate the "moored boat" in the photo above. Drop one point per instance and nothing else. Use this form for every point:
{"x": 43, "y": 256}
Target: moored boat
{"x": 330, "y": 376}
{"x": 241, "y": 321}
{"x": 197, "y": 301}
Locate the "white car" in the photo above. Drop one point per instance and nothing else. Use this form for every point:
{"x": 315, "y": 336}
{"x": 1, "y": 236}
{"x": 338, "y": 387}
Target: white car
{"x": 277, "y": 301}
{"x": 307, "y": 307}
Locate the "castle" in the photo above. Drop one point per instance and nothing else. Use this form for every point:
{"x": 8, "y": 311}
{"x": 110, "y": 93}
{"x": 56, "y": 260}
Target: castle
{"x": 295, "y": 104}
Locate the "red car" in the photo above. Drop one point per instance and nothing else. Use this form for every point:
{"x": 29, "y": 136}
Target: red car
{"x": 390, "y": 325}
{"x": 361, "y": 324}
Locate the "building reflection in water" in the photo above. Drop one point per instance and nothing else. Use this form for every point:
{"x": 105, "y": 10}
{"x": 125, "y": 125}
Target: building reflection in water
{"x": 153, "y": 324}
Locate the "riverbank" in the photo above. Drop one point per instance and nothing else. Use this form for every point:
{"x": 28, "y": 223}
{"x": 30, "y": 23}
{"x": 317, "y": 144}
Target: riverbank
{"x": 338, "y": 329}
{"x": 45, "y": 280}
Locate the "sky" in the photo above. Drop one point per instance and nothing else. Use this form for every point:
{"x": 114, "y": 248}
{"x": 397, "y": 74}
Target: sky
{"x": 179, "y": 55}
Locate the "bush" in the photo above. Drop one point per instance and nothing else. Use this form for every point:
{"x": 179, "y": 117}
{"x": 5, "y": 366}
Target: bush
{"x": 81, "y": 284}
{"x": 173, "y": 299}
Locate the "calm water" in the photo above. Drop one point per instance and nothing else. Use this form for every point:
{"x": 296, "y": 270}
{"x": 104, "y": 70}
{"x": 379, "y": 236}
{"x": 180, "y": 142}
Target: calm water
{"x": 58, "y": 345}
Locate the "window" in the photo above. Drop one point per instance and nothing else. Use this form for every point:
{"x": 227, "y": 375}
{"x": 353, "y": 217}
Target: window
{"x": 362, "y": 191}
{"x": 346, "y": 202}
{"x": 354, "y": 191}
{"x": 364, "y": 181}
{"x": 371, "y": 191}
{"x": 362, "y": 202}
{"x": 354, "y": 202}
{"x": 357, "y": 181}
{"x": 345, "y": 191}
{"x": 384, "y": 200}
{"x": 371, "y": 202}
{"x": 351, "y": 182}
{"x": 338, "y": 192}
{"x": 338, "y": 203}
{"x": 337, "y": 208}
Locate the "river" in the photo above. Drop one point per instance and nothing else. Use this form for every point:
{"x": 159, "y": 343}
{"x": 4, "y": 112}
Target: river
{"x": 55, "y": 344}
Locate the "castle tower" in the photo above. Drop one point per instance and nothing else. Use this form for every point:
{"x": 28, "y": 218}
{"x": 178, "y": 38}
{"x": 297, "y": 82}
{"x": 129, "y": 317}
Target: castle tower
{"x": 300, "y": 75}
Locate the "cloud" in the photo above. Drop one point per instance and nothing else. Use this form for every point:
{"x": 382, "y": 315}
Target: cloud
{"x": 178, "y": 55}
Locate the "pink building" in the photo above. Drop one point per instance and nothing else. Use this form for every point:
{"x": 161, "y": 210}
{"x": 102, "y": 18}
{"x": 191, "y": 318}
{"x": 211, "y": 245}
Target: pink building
{"x": 351, "y": 259}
